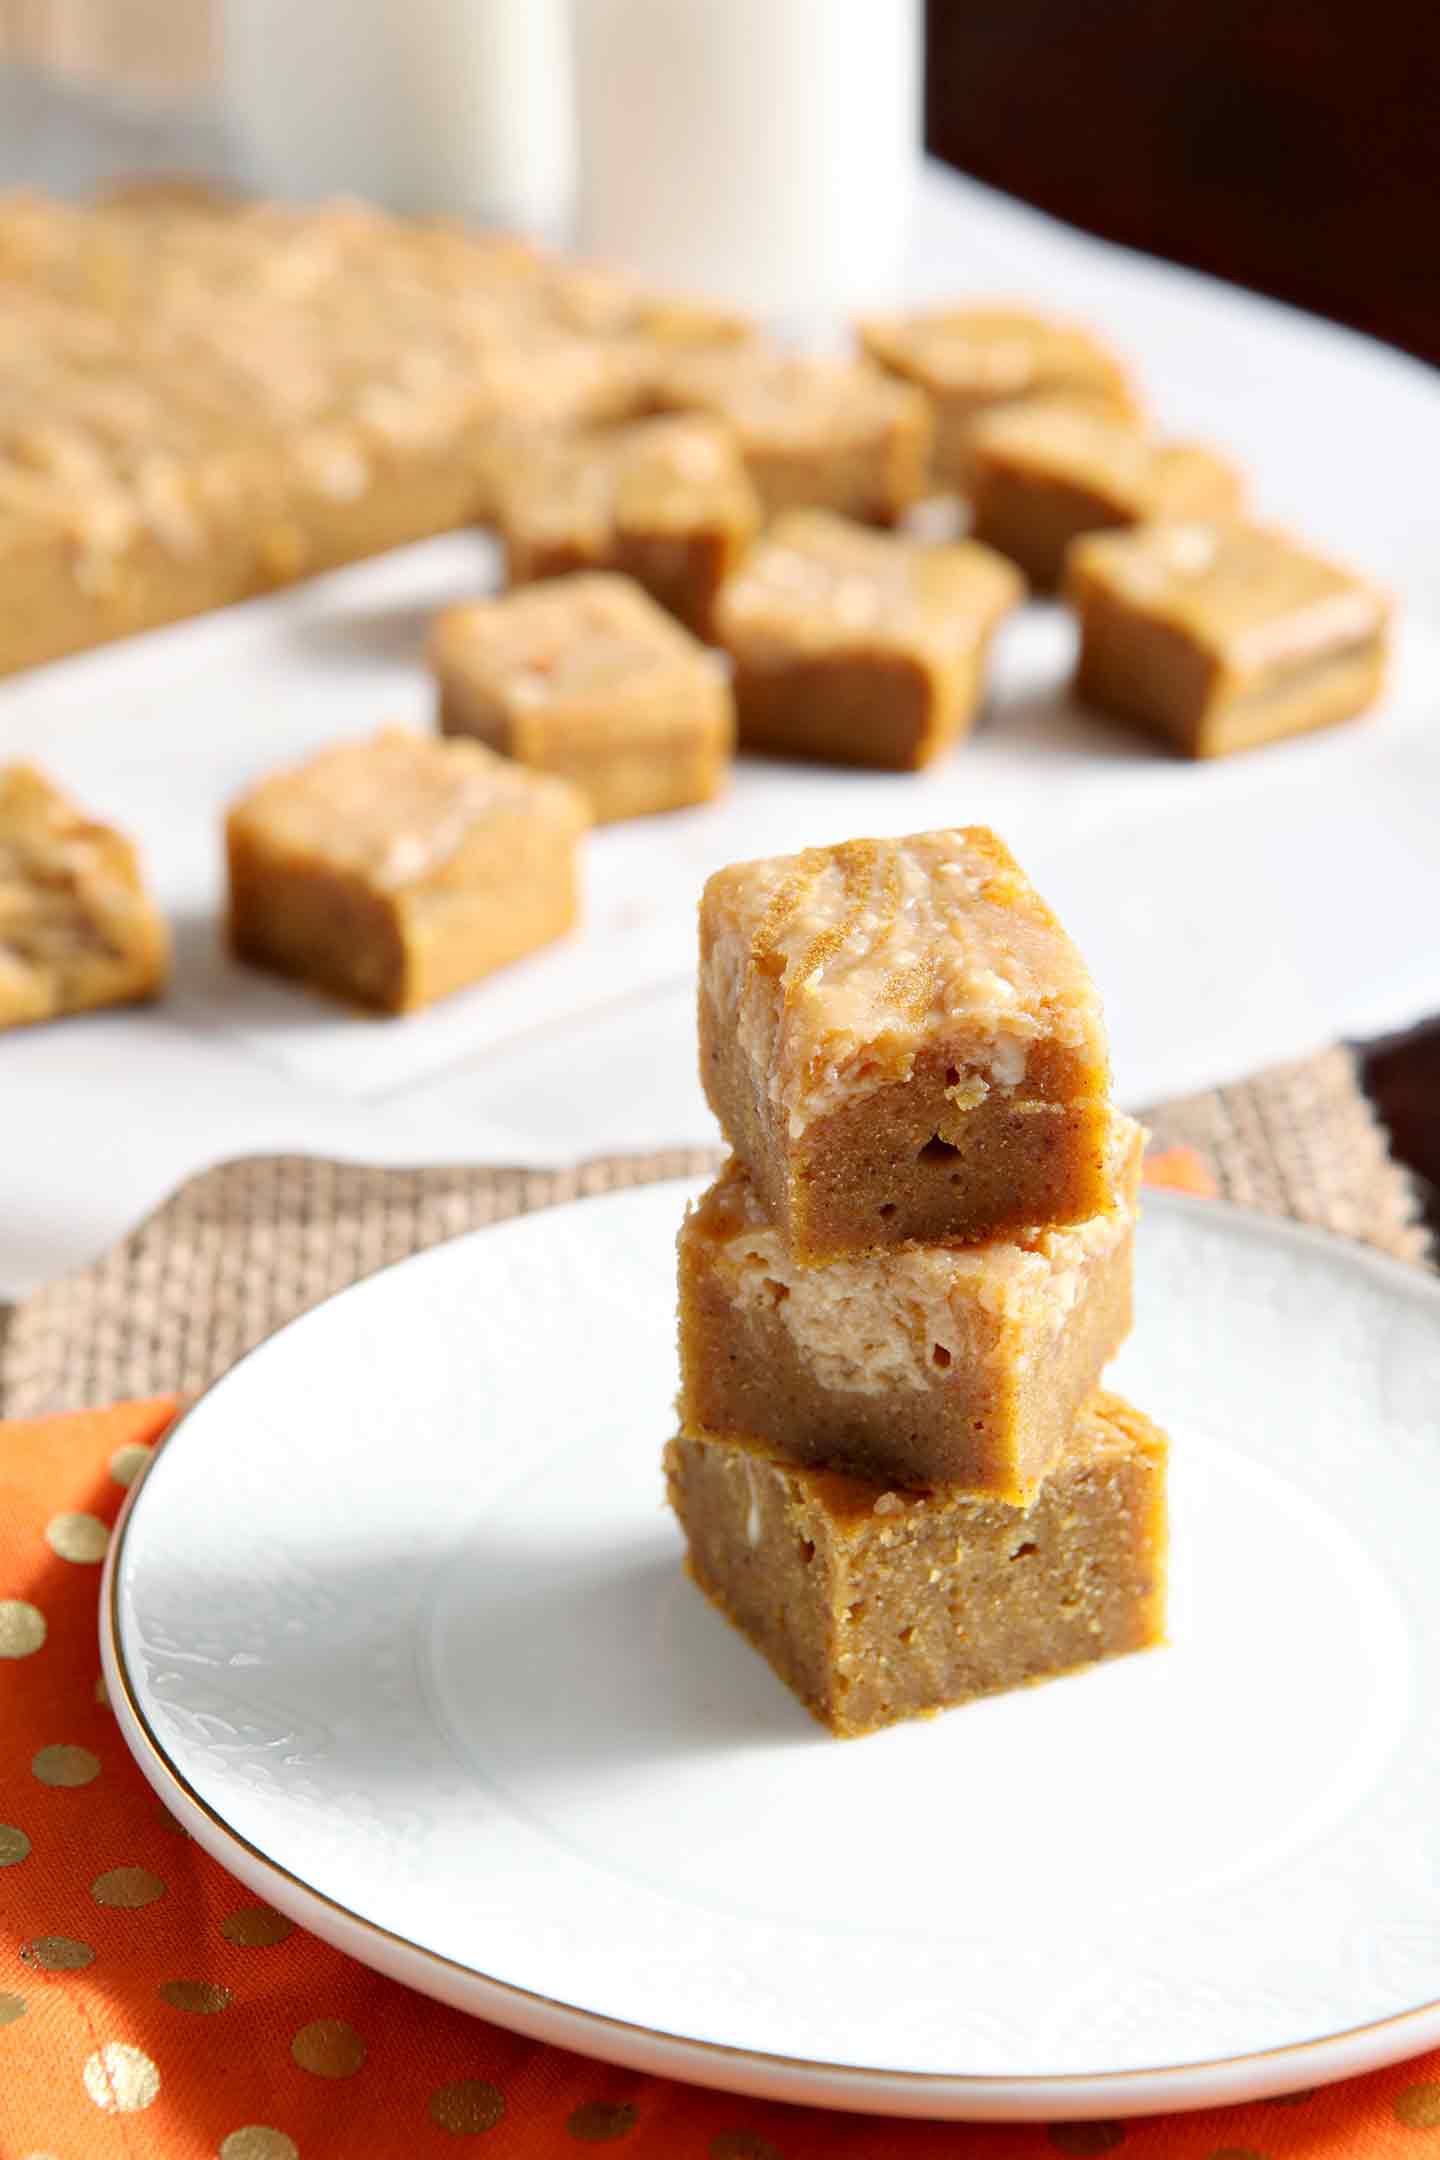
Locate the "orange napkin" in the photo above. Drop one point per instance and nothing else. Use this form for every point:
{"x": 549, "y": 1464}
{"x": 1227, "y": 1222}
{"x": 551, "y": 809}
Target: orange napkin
{"x": 149, "y": 2007}
{"x": 1180, "y": 1169}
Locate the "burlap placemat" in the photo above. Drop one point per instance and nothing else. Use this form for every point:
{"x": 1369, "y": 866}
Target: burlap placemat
{"x": 246, "y": 1246}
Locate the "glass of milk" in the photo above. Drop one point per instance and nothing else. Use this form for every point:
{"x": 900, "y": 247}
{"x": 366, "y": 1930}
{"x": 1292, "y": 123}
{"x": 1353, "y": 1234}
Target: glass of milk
{"x": 461, "y": 107}
{"x": 762, "y": 151}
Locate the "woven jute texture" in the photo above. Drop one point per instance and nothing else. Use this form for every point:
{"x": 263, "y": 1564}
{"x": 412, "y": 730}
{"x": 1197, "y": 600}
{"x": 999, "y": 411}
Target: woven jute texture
{"x": 244, "y": 1247}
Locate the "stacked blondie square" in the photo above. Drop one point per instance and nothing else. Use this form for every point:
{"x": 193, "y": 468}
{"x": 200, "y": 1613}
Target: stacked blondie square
{"x": 896, "y": 1470}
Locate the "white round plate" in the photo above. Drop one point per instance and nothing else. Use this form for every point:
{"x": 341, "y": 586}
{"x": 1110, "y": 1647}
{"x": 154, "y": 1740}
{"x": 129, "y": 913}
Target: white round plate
{"x": 396, "y": 1624}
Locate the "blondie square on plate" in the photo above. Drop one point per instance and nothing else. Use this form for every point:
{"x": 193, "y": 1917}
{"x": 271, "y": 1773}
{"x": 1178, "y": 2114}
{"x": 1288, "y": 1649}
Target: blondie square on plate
{"x": 666, "y": 501}
{"x": 395, "y": 870}
{"x": 860, "y": 647}
{"x": 814, "y": 430}
{"x": 1222, "y": 637}
{"x": 875, "y": 1605}
{"x": 900, "y": 1041}
{"x": 921, "y": 1365}
{"x": 1045, "y": 473}
{"x": 971, "y": 360}
{"x": 586, "y": 677}
{"x": 77, "y": 928}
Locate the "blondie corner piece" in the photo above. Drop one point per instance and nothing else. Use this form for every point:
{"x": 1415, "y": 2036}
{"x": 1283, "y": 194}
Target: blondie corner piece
{"x": 587, "y": 678}
{"x": 874, "y": 1605}
{"x": 665, "y": 501}
{"x": 860, "y": 647}
{"x": 1223, "y": 637}
{"x": 976, "y": 359}
{"x": 1046, "y": 473}
{"x": 814, "y": 430}
{"x": 77, "y": 928}
{"x": 958, "y": 1366}
{"x": 396, "y": 870}
{"x": 901, "y": 1042}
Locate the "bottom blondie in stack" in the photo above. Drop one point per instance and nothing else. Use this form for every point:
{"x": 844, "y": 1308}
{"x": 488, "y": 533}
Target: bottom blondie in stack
{"x": 896, "y": 1470}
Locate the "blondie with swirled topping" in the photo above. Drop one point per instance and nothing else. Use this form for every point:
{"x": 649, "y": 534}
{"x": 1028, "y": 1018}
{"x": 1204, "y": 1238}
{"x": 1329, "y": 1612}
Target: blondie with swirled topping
{"x": 901, "y": 1042}
{"x": 919, "y": 1365}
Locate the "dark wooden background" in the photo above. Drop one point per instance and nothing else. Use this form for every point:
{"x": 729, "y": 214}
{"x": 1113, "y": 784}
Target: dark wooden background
{"x": 1292, "y": 145}
{"x": 1289, "y": 145}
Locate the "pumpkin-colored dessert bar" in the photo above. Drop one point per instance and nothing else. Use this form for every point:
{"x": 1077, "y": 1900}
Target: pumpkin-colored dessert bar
{"x": 1045, "y": 474}
{"x": 395, "y": 870}
{"x": 666, "y": 501}
{"x": 923, "y": 1365}
{"x": 1220, "y": 637}
{"x": 586, "y": 677}
{"x": 875, "y": 1605}
{"x": 861, "y": 647}
{"x": 815, "y": 430}
{"x": 901, "y": 1042}
{"x": 974, "y": 359}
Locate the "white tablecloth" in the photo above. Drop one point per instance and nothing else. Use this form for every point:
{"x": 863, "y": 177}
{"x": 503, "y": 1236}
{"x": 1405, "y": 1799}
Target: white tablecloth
{"x": 1233, "y": 915}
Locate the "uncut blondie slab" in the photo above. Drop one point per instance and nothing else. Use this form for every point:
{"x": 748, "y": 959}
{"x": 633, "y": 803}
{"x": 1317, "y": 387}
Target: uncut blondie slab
{"x": 920, "y": 1365}
{"x": 814, "y": 431}
{"x": 666, "y": 501}
{"x": 875, "y": 1605}
{"x": 1222, "y": 637}
{"x": 395, "y": 870}
{"x": 204, "y": 400}
{"x": 971, "y": 360}
{"x": 77, "y": 928}
{"x": 587, "y": 678}
{"x": 1043, "y": 474}
{"x": 860, "y": 647}
{"x": 900, "y": 1042}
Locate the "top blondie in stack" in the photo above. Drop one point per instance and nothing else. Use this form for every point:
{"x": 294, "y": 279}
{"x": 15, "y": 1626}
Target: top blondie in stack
{"x": 894, "y": 1470}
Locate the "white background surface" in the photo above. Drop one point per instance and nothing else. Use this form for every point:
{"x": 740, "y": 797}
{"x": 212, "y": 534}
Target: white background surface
{"x": 1233, "y": 915}
{"x": 481, "y": 1707}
